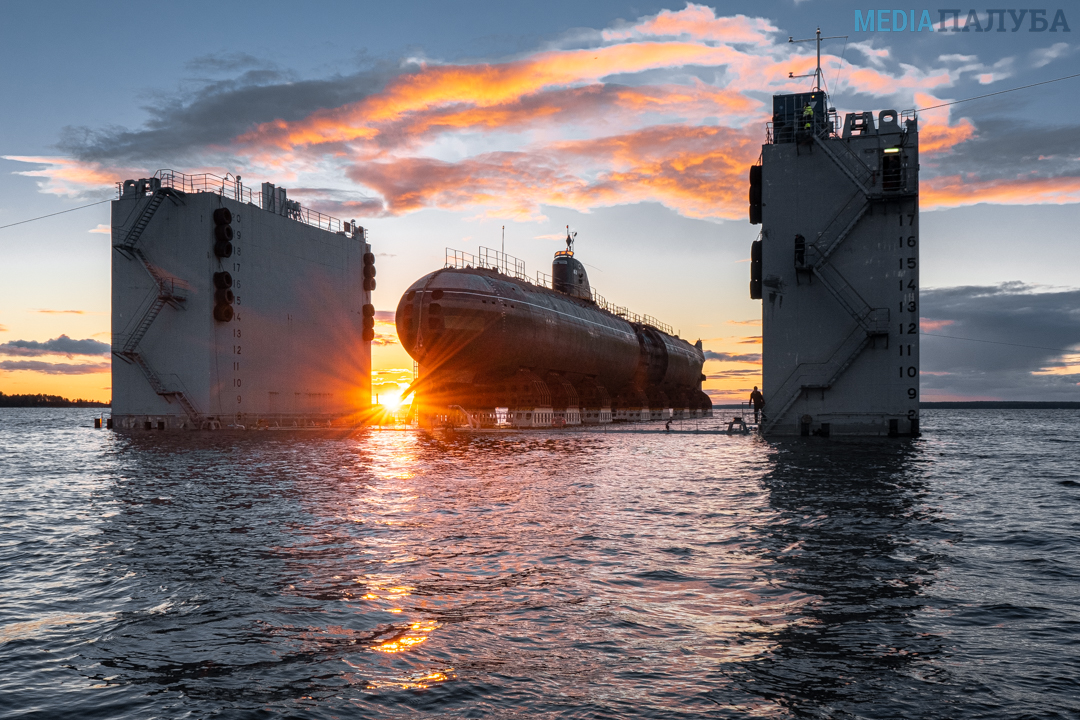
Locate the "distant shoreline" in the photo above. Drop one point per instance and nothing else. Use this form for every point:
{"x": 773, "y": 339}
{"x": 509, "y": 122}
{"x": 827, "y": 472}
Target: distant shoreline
{"x": 47, "y": 401}
{"x": 975, "y": 405}
{"x": 1001, "y": 405}
{"x": 52, "y": 401}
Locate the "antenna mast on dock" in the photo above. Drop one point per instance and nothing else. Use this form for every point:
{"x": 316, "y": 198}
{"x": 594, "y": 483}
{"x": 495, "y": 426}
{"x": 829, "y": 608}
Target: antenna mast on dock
{"x": 817, "y": 71}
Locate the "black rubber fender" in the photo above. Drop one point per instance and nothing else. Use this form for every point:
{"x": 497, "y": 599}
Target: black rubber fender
{"x": 223, "y": 312}
{"x": 223, "y": 233}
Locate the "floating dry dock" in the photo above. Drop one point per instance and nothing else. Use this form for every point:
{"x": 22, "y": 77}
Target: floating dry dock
{"x": 837, "y": 269}
{"x": 234, "y": 308}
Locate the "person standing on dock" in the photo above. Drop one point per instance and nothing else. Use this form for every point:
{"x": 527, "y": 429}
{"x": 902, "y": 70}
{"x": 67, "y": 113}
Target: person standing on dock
{"x": 758, "y": 401}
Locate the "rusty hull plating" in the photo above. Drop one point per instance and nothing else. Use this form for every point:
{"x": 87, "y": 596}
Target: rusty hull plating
{"x": 495, "y": 349}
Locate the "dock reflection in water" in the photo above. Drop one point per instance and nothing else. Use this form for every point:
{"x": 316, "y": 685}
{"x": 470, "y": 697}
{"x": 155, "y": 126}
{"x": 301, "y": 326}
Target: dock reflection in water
{"x": 572, "y": 574}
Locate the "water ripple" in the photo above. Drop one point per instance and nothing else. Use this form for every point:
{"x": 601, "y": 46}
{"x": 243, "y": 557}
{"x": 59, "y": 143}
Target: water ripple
{"x": 577, "y": 574}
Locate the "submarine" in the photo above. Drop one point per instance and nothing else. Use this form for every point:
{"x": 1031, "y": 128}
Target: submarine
{"x": 494, "y": 348}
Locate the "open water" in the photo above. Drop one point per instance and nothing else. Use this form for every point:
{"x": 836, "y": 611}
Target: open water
{"x": 568, "y": 574}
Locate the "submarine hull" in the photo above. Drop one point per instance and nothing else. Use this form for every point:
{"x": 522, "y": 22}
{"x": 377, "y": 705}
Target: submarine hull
{"x": 493, "y": 350}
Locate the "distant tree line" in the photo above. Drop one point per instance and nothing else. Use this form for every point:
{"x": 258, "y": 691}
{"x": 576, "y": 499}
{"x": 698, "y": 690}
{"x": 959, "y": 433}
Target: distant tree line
{"x": 41, "y": 400}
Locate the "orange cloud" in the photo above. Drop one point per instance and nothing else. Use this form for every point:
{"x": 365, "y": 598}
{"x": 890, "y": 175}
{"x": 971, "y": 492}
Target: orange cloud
{"x": 698, "y": 22}
{"x": 936, "y": 134}
{"x": 66, "y": 176}
{"x": 585, "y": 103}
{"x": 927, "y": 324}
{"x": 959, "y": 190}
{"x": 553, "y": 128}
{"x": 482, "y": 85}
{"x": 698, "y": 171}
{"x": 875, "y": 82}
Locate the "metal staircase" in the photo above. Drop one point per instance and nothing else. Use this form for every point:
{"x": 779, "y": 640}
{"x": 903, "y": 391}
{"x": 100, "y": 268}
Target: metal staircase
{"x": 849, "y": 163}
{"x": 159, "y": 387}
{"x": 838, "y": 228}
{"x": 124, "y": 240}
{"x": 814, "y": 376}
{"x": 126, "y": 347}
{"x": 873, "y": 321}
{"x": 167, "y": 293}
{"x": 870, "y": 321}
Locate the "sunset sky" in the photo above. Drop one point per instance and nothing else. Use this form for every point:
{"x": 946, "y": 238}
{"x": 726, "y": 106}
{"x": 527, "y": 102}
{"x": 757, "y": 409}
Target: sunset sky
{"x": 435, "y": 124}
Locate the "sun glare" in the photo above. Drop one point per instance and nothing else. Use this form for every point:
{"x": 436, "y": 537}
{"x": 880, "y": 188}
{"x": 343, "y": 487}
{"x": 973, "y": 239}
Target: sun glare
{"x": 391, "y": 401}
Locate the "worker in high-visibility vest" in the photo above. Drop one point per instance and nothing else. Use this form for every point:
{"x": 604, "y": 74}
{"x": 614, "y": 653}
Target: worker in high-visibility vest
{"x": 808, "y": 115}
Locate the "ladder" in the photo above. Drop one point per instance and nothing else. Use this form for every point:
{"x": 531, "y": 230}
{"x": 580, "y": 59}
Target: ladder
{"x": 838, "y": 228}
{"x": 849, "y": 163}
{"x": 160, "y": 388}
{"x": 870, "y": 321}
{"x": 128, "y": 239}
{"x": 127, "y": 347}
{"x": 124, "y": 240}
{"x": 166, "y": 294}
{"x": 807, "y": 376}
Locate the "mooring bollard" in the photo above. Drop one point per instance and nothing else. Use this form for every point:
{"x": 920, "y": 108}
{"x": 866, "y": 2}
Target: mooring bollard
{"x": 97, "y": 423}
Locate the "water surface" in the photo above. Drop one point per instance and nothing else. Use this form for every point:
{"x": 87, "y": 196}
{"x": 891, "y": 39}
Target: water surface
{"x": 570, "y": 574}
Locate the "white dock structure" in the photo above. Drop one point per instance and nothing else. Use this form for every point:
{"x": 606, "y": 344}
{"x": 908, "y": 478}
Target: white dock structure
{"x": 837, "y": 270}
{"x": 236, "y": 309}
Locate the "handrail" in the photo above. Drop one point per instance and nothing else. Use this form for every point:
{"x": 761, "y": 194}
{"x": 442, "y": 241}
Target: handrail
{"x": 488, "y": 259}
{"x": 233, "y": 189}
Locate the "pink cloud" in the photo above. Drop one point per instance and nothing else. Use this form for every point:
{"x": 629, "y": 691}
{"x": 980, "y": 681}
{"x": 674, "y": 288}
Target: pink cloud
{"x": 551, "y": 128}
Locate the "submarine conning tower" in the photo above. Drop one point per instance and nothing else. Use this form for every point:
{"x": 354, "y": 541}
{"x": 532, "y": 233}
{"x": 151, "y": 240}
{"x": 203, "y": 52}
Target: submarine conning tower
{"x": 836, "y": 266}
{"x": 568, "y": 275}
{"x": 495, "y": 347}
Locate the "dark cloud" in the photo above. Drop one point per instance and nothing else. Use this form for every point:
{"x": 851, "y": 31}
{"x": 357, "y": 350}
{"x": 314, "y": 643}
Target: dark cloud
{"x": 1009, "y": 149}
{"x": 62, "y": 345}
{"x": 729, "y": 374}
{"x": 1015, "y": 333}
{"x": 182, "y": 126}
{"x": 385, "y": 315}
{"x": 55, "y": 368}
{"x": 731, "y": 357}
{"x": 226, "y": 63}
{"x": 336, "y": 202}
